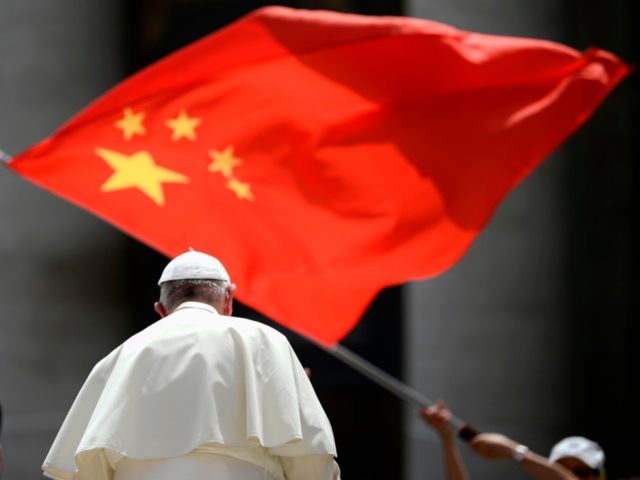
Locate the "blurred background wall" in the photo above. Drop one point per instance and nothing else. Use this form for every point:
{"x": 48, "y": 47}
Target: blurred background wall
{"x": 532, "y": 334}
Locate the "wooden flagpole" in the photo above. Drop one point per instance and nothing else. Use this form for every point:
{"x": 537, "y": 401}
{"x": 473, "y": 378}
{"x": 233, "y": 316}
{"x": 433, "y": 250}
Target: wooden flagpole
{"x": 4, "y": 157}
{"x": 393, "y": 385}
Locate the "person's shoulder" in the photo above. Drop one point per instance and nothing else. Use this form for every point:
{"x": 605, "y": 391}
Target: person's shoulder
{"x": 248, "y": 323}
{"x": 105, "y": 365}
{"x": 258, "y": 327}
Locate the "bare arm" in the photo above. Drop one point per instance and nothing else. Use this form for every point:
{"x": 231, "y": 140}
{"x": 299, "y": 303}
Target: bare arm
{"x": 495, "y": 446}
{"x": 438, "y": 417}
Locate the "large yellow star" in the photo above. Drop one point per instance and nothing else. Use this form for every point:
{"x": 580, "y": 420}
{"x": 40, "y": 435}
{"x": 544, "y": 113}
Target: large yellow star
{"x": 241, "y": 189}
{"x": 138, "y": 171}
{"x": 183, "y": 126}
{"x": 131, "y": 123}
{"x": 224, "y": 162}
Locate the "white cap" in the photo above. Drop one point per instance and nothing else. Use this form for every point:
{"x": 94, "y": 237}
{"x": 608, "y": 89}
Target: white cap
{"x": 194, "y": 265}
{"x": 581, "y": 448}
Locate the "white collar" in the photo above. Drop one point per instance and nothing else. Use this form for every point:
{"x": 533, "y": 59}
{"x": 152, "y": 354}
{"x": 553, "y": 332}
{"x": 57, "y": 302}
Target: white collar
{"x": 198, "y": 305}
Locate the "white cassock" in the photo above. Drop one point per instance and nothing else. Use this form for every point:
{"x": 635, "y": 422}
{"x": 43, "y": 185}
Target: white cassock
{"x": 196, "y": 391}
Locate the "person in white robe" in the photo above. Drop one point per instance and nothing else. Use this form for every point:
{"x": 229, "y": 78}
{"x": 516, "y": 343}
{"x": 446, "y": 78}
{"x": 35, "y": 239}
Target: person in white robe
{"x": 197, "y": 395}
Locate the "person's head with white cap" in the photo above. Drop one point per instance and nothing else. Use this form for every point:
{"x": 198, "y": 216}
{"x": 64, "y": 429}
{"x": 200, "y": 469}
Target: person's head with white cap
{"x": 197, "y": 277}
{"x": 581, "y": 456}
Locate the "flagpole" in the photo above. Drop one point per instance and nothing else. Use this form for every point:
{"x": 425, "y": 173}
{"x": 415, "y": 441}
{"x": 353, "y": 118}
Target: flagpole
{"x": 4, "y": 157}
{"x": 393, "y": 385}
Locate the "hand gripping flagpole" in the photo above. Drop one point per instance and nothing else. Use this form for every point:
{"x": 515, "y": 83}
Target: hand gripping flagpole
{"x": 393, "y": 385}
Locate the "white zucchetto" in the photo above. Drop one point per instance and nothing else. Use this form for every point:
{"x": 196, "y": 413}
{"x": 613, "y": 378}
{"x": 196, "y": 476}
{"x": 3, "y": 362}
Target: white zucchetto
{"x": 194, "y": 265}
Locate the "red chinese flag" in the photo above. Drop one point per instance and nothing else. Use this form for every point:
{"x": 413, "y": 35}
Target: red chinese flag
{"x": 322, "y": 156}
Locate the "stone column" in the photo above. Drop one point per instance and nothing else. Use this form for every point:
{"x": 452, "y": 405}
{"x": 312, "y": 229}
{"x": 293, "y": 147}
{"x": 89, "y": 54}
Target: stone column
{"x": 59, "y": 296}
{"x": 488, "y": 336}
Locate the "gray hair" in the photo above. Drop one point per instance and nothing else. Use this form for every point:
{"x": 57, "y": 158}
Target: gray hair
{"x": 174, "y": 292}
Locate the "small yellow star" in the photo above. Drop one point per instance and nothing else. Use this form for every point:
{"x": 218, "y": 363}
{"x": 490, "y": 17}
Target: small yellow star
{"x": 131, "y": 124}
{"x": 183, "y": 126}
{"x": 138, "y": 171}
{"x": 241, "y": 189}
{"x": 224, "y": 161}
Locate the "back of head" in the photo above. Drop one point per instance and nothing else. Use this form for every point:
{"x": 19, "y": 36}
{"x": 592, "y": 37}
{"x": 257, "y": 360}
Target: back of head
{"x": 195, "y": 276}
{"x": 584, "y": 450}
{"x": 175, "y": 292}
